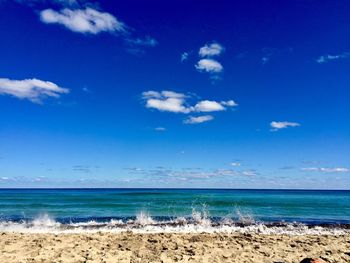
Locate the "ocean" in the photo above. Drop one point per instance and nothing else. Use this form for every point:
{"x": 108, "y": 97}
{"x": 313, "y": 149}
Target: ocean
{"x": 172, "y": 210}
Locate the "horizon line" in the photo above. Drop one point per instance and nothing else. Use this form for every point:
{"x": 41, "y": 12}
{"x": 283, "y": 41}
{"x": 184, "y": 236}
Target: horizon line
{"x": 164, "y": 188}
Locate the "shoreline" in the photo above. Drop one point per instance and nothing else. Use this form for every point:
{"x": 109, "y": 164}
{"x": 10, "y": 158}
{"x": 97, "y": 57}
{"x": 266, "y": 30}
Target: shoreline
{"x": 171, "y": 247}
{"x": 144, "y": 224}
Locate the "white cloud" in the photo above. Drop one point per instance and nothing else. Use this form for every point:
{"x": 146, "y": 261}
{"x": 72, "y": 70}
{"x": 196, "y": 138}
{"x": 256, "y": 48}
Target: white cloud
{"x": 210, "y": 50}
{"x": 32, "y": 89}
{"x": 235, "y": 164}
{"x": 209, "y": 65}
{"x": 208, "y": 106}
{"x": 168, "y": 104}
{"x": 199, "y": 119}
{"x": 229, "y": 103}
{"x": 172, "y": 94}
{"x": 326, "y": 169}
{"x": 162, "y": 94}
{"x": 166, "y": 101}
{"x": 225, "y": 172}
{"x": 151, "y": 94}
{"x": 83, "y": 20}
{"x": 211, "y": 105}
{"x": 249, "y": 173}
{"x": 176, "y": 102}
{"x": 328, "y": 58}
{"x": 92, "y": 21}
{"x": 276, "y": 125}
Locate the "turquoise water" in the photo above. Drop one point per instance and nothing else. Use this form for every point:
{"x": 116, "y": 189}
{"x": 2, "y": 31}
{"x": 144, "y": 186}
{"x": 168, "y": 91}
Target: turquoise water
{"x": 83, "y": 205}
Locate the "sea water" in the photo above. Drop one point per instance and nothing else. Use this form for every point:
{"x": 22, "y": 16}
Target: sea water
{"x": 175, "y": 210}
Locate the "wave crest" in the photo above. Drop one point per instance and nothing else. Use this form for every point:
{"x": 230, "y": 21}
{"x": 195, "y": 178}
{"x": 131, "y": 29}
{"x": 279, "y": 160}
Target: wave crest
{"x": 199, "y": 222}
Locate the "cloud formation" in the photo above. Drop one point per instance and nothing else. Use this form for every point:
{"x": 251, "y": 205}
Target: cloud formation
{"x": 191, "y": 174}
{"x": 329, "y": 58}
{"x": 326, "y": 169}
{"x": 208, "y": 106}
{"x": 88, "y": 20}
{"x": 166, "y": 101}
{"x": 211, "y": 50}
{"x": 170, "y": 101}
{"x": 34, "y": 90}
{"x": 277, "y": 125}
{"x": 199, "y": 119}
{"x": 207, "y": 63}
{"x": 145, "y": 42}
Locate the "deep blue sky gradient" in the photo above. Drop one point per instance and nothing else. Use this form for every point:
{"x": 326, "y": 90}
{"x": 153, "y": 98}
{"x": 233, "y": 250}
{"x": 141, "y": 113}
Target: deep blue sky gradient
{"x": 106, "y": 137}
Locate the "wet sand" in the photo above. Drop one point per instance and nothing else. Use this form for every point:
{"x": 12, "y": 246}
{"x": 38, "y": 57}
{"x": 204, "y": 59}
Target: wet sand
{"x": 171, "y": 247}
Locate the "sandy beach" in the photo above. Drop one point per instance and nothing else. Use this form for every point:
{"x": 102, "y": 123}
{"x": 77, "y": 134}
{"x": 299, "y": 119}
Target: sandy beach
{"x": 171, "y": 247}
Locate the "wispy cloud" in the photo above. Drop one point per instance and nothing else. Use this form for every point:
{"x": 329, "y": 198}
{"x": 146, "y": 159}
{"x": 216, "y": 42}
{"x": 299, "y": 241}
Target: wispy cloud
{"x": 85, "y": 168}
{"x": 250, "y": 172}
{"x": 191, "y": 174}
{"x": 170, "y": 101}
{"x": 277, "y": 125}
{"x": 86, "y": 90}
{"x": 34, "y": 90}
{"x": 146, "y": 42}
{"x": 229, "y": 103}
{"x": 88, "y": 20}
{"x": 329, "y": 58}
{"x": 160, "y": 129}
{"x": 136, "y": 46}
{"x": 326, "y": 169}
{"x": 184, "y": 56}
{"x": 267, "y": 54}
{"x": 199, "y": 119}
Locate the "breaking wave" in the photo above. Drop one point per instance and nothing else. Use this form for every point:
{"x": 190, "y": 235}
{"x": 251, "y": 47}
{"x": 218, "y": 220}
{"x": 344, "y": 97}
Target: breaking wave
{"x": 143, "y": 222}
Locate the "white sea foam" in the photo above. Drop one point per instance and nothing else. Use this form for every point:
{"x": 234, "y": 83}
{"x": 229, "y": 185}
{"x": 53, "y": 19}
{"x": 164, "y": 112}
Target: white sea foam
{"x": 245, "y": 218}
{"x": 201, "y": 218}
{"x": 143, "y": 219}
{"x": 200, "y": 222}
{"x": 45, "y": 221}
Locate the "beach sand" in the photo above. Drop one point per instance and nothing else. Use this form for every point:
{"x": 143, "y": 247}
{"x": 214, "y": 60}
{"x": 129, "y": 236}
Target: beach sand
{"x": 170, "y": 247}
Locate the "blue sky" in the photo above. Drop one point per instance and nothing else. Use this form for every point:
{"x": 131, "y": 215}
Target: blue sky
{"x": 175, "y": 94}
